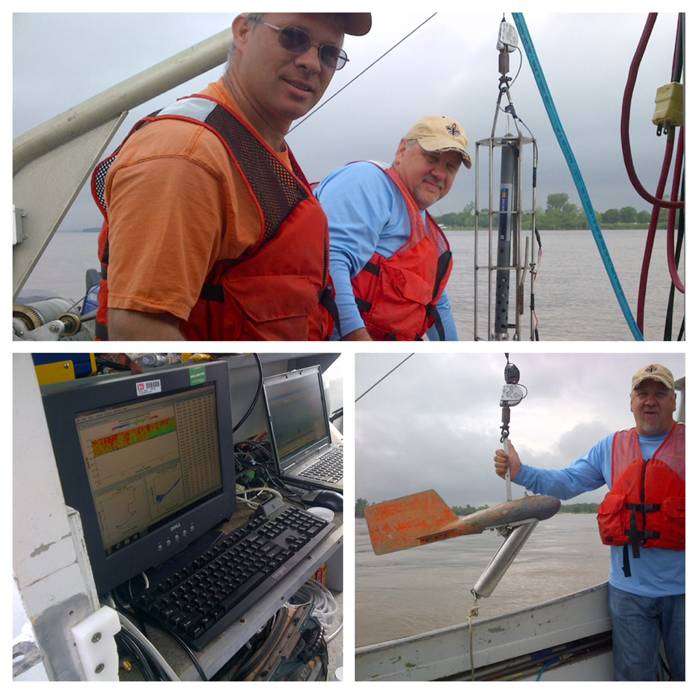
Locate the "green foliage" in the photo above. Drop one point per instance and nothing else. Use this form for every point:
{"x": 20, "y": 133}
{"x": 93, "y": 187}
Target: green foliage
{"x": 579, "y": 508}
{"x": 556, "y": 201}
{"x": 360, "y": 507}
{"x": 559, "y": 213}
{"x": 467, "y": 509}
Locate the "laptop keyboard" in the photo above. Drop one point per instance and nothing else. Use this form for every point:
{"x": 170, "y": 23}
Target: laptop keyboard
{"x": 329, "y": 467}
{"x": 201, "y": 599}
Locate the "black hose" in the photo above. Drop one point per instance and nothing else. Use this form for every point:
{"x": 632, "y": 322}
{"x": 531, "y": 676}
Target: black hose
{"x": 244, "y": 417}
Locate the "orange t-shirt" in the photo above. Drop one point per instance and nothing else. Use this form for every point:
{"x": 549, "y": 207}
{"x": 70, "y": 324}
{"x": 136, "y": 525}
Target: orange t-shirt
{"x": 176, "y": 205}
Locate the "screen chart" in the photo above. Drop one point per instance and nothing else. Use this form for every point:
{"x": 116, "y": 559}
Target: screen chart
{"x": 147, "y": 461}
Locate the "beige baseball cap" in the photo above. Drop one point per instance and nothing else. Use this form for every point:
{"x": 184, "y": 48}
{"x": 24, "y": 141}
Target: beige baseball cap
{"x": 441, "y": 134}
{"x": 654, "y": 372}
{"x": 355, "y": 23}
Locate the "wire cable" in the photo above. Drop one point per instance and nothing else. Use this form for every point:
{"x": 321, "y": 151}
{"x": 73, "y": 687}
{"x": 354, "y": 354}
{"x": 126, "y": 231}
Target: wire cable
{"x": 147, "y": 646}
{"x": 383, "y": 377}
{"x": 244, "y": 417}
{"x": 325, "y": 608}
{"x": 258, "y": 491}
{"x": 339, "y": 91}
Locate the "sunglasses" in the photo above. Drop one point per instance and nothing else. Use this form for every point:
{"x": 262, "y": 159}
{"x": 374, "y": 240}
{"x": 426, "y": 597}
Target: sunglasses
{"x": 297, "y": 40}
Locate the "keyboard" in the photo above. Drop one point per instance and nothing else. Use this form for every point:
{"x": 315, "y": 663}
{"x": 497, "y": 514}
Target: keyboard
{"x": 201, "y": 598}
{"x": 329, "y": 467}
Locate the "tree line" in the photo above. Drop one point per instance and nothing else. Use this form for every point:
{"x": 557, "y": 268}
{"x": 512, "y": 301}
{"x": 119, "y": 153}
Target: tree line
{"x": 361, "y": 504}
{"x": 559, "y": 213}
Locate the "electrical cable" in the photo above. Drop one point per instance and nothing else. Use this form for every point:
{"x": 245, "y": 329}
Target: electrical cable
{"x": 669, "y": 318}
{"x": 651, "y": 231}
{"x": 131, "y": 648}
{"x": 147, "y": 646}
{"x": 663, "y": 176}
{"x": 326, "y": 101}
{"x": 258, "y": 491}
{"x": 325, "y": 608}
{"x": 244, "y": 417}
{"x": 190, "y": 653}
{"x": 520, "y": 66}
{"x": 625, "y": 119}
{"x": 671, "y": 217}
{"x": 383, "y": 377}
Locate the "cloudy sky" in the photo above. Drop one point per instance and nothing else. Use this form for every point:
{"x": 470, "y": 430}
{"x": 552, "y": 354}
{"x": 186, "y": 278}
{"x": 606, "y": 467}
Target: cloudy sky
{"x": 434, "y": 422}
{"x": 448, "y": 66}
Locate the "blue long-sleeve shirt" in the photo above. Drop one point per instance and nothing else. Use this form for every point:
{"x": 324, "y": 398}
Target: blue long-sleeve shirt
{"x": 658, "y": 572}
{"x": 366, "y": 214}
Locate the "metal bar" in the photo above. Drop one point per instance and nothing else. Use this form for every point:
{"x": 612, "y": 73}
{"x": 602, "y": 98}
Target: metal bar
{"x": 134, "y": 91}
{"x": 518, "y": 227}
{"x": 477, "y": 216}
{"x": 489, "y": 240}
{"x": 506, "y": 233}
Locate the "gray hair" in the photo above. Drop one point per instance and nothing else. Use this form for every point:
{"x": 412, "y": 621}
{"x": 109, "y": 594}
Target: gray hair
{"x": 254, "y": 17}
{"x": 408, "y": 145}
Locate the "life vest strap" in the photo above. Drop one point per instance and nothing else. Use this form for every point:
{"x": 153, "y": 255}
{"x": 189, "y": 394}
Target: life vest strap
{"x": 101, "y": 332}
{"x": 212, "y": 292}
{"x": 643, "y": 508}
{"x": 432, "y": 312}
{"x": 373, "y": 268}
{"x": 364, "y": 306}
{"x": 626, "y": 562}
{"x": 327, "y": 300}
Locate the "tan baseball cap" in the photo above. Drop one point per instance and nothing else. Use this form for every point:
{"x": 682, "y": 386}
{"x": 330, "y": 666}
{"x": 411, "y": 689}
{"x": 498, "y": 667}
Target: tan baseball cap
{"x": 355, "y": 23}
{"x": 654, "y": 372}
{"x": 441, "y": 134}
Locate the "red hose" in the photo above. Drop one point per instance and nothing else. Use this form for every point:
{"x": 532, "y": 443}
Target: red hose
{"x": 625, "y": 119}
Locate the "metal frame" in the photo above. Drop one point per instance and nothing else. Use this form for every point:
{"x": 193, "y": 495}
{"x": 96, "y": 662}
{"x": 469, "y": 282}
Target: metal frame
{"x": 520, "y": 264}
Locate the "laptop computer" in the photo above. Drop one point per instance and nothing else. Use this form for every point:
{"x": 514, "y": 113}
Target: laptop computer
{"x": 300, "y": 430}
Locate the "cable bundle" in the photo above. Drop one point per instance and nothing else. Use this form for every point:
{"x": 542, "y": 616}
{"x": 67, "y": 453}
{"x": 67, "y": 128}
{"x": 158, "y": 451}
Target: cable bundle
{"x": 325, "y": 607}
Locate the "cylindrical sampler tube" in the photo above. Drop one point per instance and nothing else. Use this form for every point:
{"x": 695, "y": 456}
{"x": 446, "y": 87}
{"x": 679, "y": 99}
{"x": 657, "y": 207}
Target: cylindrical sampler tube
{"x": 492, "y": 575}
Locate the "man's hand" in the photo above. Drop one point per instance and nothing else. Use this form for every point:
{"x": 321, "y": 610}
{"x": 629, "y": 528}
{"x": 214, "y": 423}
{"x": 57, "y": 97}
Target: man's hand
{"x": 358, "y": 334}
{"x": 504, "y": 462}
{"x": 124, "y": 324}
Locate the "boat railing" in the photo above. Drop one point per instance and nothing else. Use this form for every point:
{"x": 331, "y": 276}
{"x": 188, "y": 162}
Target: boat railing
{"x": 57, "y": 156}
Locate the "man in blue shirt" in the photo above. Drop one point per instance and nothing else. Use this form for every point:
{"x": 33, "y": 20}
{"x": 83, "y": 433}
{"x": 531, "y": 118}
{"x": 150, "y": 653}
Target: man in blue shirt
{"x": 647, "y": 593}
{"x": 389, "y": 261}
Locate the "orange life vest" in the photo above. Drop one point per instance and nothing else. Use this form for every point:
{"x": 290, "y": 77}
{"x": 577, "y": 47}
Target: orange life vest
{"x": 280, "y": 288}
{"x": 646, "y": 505}
{"x": 397, "y": 296}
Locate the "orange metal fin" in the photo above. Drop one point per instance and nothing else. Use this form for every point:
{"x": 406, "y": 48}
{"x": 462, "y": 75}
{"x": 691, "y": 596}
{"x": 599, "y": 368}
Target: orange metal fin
{"x": 400, "y": 523}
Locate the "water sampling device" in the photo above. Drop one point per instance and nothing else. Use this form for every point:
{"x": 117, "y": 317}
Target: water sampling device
{"x": 422, "y": 518}
{"x": 505, "y": 216}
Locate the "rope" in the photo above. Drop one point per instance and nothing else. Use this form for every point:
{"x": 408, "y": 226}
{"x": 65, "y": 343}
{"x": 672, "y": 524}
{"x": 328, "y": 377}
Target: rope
{"x": 473, "y": 612}
{"x": 576, "y": 173}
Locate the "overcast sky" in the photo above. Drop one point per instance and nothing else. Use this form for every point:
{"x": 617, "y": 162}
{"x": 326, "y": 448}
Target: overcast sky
{"x": 448, "y": 67}
{"x": 434, "y": 423}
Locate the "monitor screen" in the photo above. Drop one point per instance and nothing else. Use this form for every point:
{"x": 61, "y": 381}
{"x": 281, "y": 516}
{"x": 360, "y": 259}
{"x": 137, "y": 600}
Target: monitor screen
{"x": 297, "y": 413}
{"x": 146, "y": 460}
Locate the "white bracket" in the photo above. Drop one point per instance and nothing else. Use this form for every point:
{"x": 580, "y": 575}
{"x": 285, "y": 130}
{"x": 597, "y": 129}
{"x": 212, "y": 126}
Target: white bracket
{"x": 94, "y": 640}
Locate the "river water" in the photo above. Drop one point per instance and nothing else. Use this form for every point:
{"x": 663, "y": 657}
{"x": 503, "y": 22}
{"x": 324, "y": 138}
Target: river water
{"x": 428, "y": 587}
{"x": 574, "y": 299}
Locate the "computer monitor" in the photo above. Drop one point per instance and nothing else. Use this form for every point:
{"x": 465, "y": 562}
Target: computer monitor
{"x": 297, "y": 414}
{"x": 146, "y": 460}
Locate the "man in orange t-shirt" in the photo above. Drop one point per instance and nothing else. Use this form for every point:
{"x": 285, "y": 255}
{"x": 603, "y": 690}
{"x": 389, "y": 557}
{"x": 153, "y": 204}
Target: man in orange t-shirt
{"x": 181, "y": 210}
